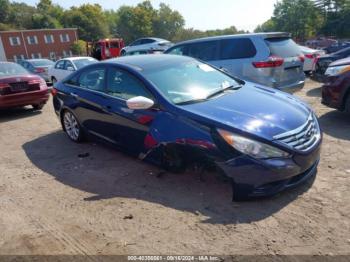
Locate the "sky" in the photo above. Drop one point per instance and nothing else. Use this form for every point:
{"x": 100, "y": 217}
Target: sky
{"x": 200, "y": 14}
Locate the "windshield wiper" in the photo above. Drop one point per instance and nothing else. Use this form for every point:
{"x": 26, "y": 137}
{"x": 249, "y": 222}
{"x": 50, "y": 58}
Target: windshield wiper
{"x": 222, "y": 90}
{"x": 192, "y": 101}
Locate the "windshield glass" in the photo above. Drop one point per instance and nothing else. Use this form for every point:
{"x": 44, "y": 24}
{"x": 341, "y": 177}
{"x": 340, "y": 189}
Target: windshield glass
{"x": 189, "y": 81}
{"x": 43, "y": 62}
{"x": 8, "y": 69}
{"x": 79, "y": 63}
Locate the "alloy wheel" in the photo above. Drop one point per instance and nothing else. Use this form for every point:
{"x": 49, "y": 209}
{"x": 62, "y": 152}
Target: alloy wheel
{"x": 71, "y": 126}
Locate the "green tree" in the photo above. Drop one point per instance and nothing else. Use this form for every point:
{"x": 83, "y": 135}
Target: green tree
{"x": 90, "y": 21}
{"x": 268, "y": 26}
{"x": 20, "y": 16}
{"x": 4, "y": 10}
{"x": 299, "y": 17}
{"x": 79, "y": 48}
{"x": 167, "y": 22}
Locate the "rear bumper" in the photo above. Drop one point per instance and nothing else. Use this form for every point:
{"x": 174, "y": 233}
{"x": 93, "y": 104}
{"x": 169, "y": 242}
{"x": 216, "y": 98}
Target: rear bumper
{"x": 24, "y": 99}
{"x": 257, "y": 178}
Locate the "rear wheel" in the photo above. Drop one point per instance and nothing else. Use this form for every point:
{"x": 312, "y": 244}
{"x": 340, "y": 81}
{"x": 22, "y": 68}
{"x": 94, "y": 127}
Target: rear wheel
{"x": 72, "y": 127}
{"x": 123, "y": 53}
{"x": 38, "y": 106}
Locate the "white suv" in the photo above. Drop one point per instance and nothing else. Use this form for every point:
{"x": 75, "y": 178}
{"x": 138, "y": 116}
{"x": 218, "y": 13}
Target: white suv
{"x": 146, "y": 45}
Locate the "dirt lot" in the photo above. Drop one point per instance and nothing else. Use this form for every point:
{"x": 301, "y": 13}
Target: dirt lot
{"x": 53, "y": 202}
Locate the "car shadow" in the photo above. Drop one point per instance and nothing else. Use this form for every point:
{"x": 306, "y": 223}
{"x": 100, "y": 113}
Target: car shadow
{"x": 336, "y": 124}
{"x": 106, "y": 173}
{"x": 12, "y": 114}
{"x": 315, "y": 92}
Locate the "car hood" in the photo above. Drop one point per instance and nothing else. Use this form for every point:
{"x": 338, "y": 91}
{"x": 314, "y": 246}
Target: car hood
{"x": 345, "y": 61}
{"x": 260, "y": 111}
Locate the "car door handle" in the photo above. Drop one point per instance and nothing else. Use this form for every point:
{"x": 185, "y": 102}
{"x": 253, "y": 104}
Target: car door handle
{"x": 74, "y": 95}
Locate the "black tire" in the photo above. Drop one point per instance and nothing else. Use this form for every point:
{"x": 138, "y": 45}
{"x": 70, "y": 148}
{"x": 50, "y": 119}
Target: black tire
{"x": 72, "y": 127}
{"x": 347, "y": 104}
{"x": 54, "y": 80}
{"x": 172, "y": 160}
{"x": 38, "y": 106}
{"x": 123, "y": 53}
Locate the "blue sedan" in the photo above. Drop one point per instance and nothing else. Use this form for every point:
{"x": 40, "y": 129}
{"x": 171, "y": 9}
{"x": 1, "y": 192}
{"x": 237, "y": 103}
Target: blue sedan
{"x": 176, "y": 111}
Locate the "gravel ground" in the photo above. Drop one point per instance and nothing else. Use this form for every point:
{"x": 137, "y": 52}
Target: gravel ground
{"x": 54, "y": 202}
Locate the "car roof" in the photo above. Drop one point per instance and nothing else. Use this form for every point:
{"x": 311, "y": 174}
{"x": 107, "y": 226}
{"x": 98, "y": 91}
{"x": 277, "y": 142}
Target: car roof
{"x": 151, "y": 61}
{"x": 75, "y": 58}
{"x": 212, "y": 38}
{"x": 153, "y": 38}
{"x": 36, "y": 59}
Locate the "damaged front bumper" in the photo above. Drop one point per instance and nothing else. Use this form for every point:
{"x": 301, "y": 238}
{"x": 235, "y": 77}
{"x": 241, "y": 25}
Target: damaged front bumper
{"x": 257, "y": 178}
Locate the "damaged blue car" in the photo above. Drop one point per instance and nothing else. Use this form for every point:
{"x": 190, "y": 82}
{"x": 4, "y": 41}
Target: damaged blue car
{"x": 176, "y": 111}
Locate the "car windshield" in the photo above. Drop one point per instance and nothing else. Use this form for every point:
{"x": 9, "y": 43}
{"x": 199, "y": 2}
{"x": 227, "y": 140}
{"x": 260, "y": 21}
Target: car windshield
{"x": 8, "y": 69}
{"x": 189, "y": 82}
{"x": 43, "y": 62}
{"x": 79, "y": 63}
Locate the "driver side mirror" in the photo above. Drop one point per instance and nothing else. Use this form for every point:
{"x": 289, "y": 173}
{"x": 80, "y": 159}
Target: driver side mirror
{"x": 139, "y": 102}
{"x": 70, "y": 68}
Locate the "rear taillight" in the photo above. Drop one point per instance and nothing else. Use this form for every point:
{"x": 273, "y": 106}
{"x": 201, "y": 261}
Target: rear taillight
{"x": 309, "y": 56}
{"x": 40, "y": 82}
{"x": 272, "y": 61}
{"x": 3, "y": 89}
{"x": 302, "y": 58}
{"x": 54, "y": 91}
{"x": 39, "y": 70}
{"x": 4, "y": 85}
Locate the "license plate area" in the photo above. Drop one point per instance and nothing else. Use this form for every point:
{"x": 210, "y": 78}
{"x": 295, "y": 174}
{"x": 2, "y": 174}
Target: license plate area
{"x": 19, "y": 87}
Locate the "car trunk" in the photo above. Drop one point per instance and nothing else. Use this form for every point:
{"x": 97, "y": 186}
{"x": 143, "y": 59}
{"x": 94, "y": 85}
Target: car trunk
{"x": 15, "y": 85}
{"x": 291, "y": 71}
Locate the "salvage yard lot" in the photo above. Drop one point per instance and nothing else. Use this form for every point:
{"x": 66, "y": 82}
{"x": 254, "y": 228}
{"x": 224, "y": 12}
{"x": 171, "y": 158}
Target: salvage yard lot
{"x": 105, "y": 202}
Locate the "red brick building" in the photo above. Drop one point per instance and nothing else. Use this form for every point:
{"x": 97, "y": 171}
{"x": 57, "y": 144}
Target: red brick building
{"x": 40, "y": 43}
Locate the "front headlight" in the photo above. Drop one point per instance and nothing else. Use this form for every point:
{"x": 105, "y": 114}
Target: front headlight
{"x": 337, "y": 70}
{"x": 252, "y": 148}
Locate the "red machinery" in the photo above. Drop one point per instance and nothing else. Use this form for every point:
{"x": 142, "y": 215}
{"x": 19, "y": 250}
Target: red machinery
{"x": 105, "y": 48}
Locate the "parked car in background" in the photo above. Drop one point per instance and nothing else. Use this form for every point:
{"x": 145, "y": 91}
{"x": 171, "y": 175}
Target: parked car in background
{"x": 336, "y": 47}
{"x": 311, "y": 56}
{"x": 18, "y": 87}
{"x": 324, "y": 61}
{"x": 336, "y": 90}
{"x": 176, "y": 111}
{"x": 66, "y": 66}
{"x": 270, "y": 59}
{"x": 149, "y": 44}
{"x": 39, "y": 67}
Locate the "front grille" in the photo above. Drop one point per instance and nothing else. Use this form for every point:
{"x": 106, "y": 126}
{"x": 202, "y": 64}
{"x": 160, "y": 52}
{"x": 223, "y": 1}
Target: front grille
{"x": 302, "y": 138}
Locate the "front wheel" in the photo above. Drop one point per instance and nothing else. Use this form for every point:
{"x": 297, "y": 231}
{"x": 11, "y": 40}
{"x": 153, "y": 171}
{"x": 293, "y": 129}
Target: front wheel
{"x": 54, "y": 80}
{"x": 72, "y": 127}
{"x": 123, "y": 53}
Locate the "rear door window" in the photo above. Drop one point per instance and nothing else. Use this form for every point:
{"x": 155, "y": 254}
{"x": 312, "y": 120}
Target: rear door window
{"x": 206, "y": 51}
{"x": 283, "y": 47}
{"x": 237, "y": 48}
